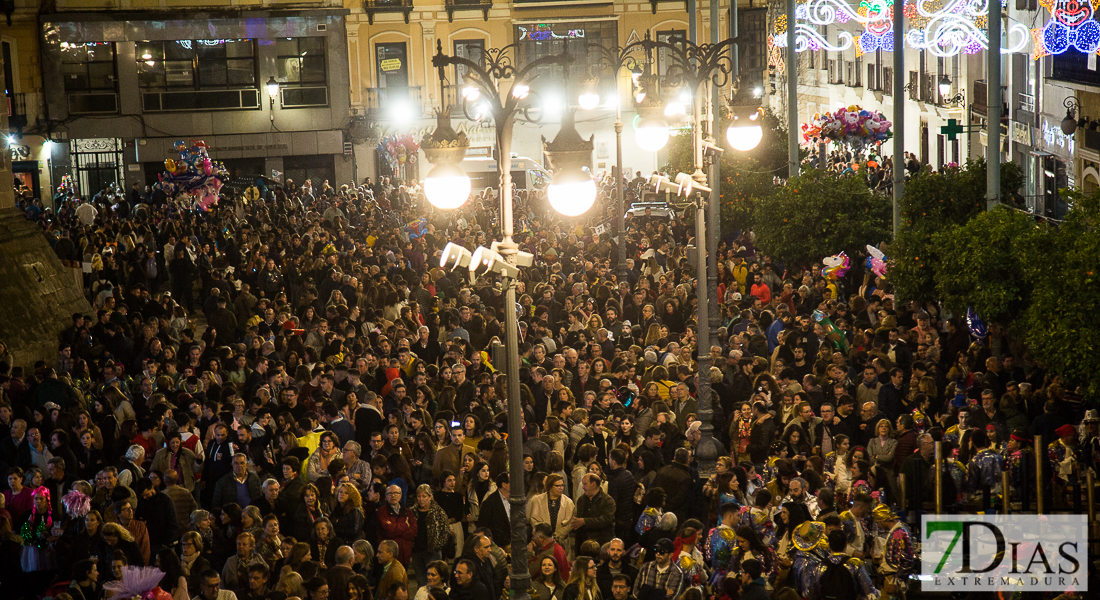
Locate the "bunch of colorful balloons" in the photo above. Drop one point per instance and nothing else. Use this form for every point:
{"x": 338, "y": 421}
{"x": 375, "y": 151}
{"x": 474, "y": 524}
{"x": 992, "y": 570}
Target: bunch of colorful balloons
{"x": 836, "y": 266}
{"x": 193, "y": 174}
{"x": 852, "y": 126}
{"x": 398, "y": 150}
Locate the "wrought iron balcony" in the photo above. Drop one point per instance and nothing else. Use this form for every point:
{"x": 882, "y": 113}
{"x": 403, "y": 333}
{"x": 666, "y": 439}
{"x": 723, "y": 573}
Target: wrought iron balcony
{"x": 372, "y": 7}
{"x": 482, "y": 5}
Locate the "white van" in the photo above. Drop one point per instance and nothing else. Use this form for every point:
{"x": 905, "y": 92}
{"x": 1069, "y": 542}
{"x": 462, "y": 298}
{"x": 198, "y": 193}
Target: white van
{"x": 527, "y": 173}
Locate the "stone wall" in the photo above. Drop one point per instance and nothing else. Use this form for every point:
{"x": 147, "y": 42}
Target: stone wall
{"x": 38, "y": 295}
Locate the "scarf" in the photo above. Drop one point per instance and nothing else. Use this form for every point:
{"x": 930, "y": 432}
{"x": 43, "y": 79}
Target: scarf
{"x": 187, "y": 563}
{"x": 744, "y": 432}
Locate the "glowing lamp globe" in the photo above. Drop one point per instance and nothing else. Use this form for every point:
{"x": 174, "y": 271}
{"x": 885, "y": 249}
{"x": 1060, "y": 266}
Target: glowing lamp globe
{"x": 447, "y": 186}
{"x": 744, "y": 137}
{"x": 589, "y": 100}
{"x": 572, "y": 192}
{"x": 651, "y": 134}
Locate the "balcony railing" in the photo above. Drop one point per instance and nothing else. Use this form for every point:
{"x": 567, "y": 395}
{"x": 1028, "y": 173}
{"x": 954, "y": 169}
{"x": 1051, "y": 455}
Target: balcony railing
{"x": 372, "y": 7}
{"x": 17, "y": 111}
{"x": 482, "y": 5}
{"x": 381, "y": 102}
{"x": 203, "y": 100}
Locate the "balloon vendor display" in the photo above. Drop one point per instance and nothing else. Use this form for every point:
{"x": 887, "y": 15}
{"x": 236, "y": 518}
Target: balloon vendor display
{"x": 852, "y": 126}
{"x": 193, "y": 174}
{"x": 836, "y": 266}
{"x": 398, "y": 152}
{"x": 876, "y": 261}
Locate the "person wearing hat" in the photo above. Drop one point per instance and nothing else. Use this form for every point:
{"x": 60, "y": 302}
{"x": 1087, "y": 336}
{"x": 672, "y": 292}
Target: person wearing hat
{"x": 899, "y": 559}
{"x": 809, "y": 548}
{"x": 1020, "y": 464}
{"x": 1063, "y": 456}
{"x": 659, "y": 578}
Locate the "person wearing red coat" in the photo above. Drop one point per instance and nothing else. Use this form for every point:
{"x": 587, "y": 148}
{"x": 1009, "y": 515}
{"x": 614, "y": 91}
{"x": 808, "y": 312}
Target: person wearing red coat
{"x": 396, "y": 522}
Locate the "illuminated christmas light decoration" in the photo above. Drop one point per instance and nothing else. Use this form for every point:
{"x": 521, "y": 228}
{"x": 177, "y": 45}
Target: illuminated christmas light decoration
{"x": 879, "y": 28}
{"x": 1071, "y": 26}
{"x": 950, "y": 27}
{"x": 942, "y": 27}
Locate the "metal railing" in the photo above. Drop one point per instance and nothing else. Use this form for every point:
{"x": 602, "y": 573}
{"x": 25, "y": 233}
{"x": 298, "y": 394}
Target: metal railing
{"x": 381, "y": 100}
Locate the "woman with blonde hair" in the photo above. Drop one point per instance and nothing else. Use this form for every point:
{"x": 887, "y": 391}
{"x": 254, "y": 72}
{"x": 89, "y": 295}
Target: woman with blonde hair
{"x": 582, "y": 581}
{"x": 290, "y": 583}
{"x": 880, "y": 449}
{"x": 347, "y": 514}
{"x": 653, "y": 335}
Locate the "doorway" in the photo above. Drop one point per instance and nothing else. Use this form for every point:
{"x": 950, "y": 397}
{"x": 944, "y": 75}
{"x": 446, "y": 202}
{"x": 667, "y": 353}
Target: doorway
{"x": 98, "y": 164}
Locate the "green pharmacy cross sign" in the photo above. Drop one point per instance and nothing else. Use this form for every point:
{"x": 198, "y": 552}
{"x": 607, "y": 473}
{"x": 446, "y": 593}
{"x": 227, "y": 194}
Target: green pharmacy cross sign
{"x": 953, "y": 129}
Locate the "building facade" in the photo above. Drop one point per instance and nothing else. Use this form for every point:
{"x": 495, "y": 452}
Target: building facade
{"x": 263, "y": 86}
{"x": 395, "y": 90}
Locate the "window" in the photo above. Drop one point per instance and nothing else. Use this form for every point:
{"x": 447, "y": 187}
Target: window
{"x": 393, "y": 65}
{"x": 196, "y": 64}
{"x": 575, "y": 38}
{"x": 664, "y": 56}
{"x": 88, "y": 67}
{"x": 473, "y": 50}
{"x": 301, "y": 61}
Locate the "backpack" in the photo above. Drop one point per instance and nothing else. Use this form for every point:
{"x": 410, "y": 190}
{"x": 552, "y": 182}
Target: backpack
{"x": 837, "y": 582}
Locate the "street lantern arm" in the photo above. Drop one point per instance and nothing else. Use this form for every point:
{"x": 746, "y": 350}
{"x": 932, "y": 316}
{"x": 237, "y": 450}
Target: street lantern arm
{"x": 498, "y": 65}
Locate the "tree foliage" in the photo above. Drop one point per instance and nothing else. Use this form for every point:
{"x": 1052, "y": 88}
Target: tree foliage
{"x": 981, "y": 264}
{"x": 931, "y": 203}
{"x": 746, "y": 177}
{"x": 1063, "y": 267}
{"x": 817, "y": 214}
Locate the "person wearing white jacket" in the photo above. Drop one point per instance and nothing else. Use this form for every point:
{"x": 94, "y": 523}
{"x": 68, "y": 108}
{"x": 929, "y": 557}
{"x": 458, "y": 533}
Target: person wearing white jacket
{"x": 555, "y": 509}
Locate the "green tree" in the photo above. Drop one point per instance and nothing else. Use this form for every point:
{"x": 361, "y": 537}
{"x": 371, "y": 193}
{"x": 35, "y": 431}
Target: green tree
{"x": 931, "y": 203}
{"x": 1063, "y": 266}
{"x": 746, "y": 177}
{"x": 817, "y": 214}
{"x": 982, "y": 263}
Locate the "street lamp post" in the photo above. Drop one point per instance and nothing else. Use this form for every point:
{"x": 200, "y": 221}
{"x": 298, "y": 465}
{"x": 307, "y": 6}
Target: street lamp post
{"x": 612, "y": 60}
{"x": 483, "y": 80}
{"x": 697, "y": 67}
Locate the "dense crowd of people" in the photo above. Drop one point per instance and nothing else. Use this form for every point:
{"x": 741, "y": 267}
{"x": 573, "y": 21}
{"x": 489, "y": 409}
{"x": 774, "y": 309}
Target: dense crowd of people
{"x": 289, "y": 398}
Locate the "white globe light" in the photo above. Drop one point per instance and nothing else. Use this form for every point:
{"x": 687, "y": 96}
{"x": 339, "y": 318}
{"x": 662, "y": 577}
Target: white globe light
{"x": 520, "y": 91}
{"x": 589, "y": 101}
{"x": 447, "y": 186}
{"x": 572, "y": 192}
{"x": 744, "y": 137}
{"x": 651, "y": 134}
{"x": 471, "y": 93}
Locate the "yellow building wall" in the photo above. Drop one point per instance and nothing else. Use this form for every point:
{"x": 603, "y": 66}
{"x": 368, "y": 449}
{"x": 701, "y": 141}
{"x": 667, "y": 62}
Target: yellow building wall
{"x": 428, "y": 23}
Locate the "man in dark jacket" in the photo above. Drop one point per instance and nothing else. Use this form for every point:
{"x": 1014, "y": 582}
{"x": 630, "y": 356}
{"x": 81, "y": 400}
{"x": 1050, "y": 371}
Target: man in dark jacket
{"x": 223, "y": 321}
{"x": 676, "y": 480}
{"x": 494, "y": 513}
{"x": 594, "y": 518}
{"x": 465, "y": 585}
{"x": 762, "y": 434}
{"x": 240, "y": 486}
{"x": 158, "y": 512}
{"x": 754, "y": 586}
{"x": 620, "y": 486}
